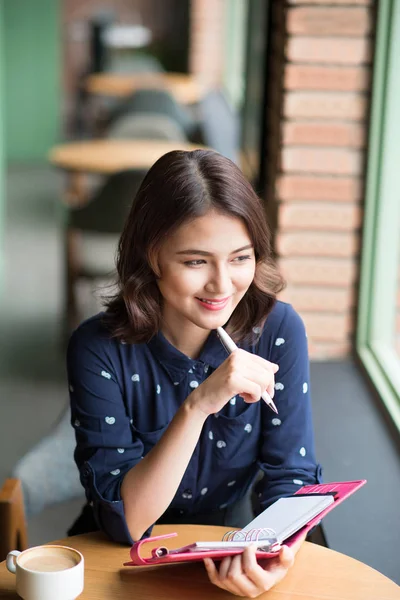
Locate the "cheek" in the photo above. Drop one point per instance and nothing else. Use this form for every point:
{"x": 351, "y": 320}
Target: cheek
{"x": 177, "y": 281}
{"x": 244, "y": 277}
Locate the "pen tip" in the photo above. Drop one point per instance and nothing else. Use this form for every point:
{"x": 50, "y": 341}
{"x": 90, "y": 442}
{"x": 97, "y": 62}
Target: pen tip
{"x": 273, "y": 407}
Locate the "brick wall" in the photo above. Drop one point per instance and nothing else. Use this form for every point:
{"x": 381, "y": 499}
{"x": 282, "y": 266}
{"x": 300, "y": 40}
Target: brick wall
{"x": 320, "y": 64}
{"x": 207, "y": 39}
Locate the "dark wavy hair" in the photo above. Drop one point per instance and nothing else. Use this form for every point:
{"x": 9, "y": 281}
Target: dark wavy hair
{"x": 178, "y": 188}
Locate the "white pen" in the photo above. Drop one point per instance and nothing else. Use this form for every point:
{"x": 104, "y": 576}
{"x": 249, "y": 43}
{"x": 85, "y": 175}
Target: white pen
{"x": 230, "y": 346}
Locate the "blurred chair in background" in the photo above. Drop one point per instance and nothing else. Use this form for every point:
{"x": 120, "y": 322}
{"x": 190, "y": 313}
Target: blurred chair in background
{"x": 46, "y": 475}
{"x": 219, "y": 125}
{"x": 101, "y": 219}
{"x": 154, "y": 101}
{"x": 148, "y": 126}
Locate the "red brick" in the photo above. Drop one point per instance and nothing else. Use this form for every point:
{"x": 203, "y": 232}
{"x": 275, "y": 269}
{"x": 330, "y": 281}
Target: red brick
{"x": 342, "y": 245}
{"x": 325, "y": 105}
{"x": 295, "y": 216}
{"x": 319, "y": 299}
{"x": 320, "y": 133}
{"x": 333, "y": 50}
{"x": 332, "y": 272}
{"x": 327, "y": 21}
{"x": 321, "y": 160}
{"x": 327, "y": 327}
{"x": 316, "y": 188}
{"x": 312, "y": 77}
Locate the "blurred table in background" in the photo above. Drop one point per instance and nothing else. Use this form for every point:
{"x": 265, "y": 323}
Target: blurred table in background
{"x": 107, "y": 156}
{"x": 185, "y": 88}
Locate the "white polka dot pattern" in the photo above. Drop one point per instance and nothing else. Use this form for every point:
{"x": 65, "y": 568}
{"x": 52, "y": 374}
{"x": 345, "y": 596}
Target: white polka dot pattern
{"x": 77, "y": 423}
{"x": 158, "y": 389}
{"x": 115, "y": 472}
{"x": 303, "y": 451}
{"x": 121, "y": 450}
{"x": 279, "y": 341}
{"x": 298, "y": 481}
{"x": 221, "y": 444}
{"x": 211, "y": 435}
{"x": 204, "y": 491}
{"x": 135, "y": 377}
{"x": 233, "y": 401}
{"x": 276, "y": 422}
{"x": 110, "y": 420}
{"x": 194, "y": 384}
{"x": 305, "y": 387}
{"x": 248, "y": 427}
{"x": 279, "y": 387}
{"x": 105, "y": 374}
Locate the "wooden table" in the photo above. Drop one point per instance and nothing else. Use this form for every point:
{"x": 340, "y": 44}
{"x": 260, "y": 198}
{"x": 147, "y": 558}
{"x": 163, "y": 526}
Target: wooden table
{"x": 108, "y": 155}
{"x": 318, "y": 573}
{"x": 186, "y": 89}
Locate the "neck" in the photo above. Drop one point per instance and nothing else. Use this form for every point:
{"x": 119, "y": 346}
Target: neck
{"x": 189, "y": 341}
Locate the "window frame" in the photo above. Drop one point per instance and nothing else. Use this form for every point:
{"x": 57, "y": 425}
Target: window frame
{"x": 381, "y": 231}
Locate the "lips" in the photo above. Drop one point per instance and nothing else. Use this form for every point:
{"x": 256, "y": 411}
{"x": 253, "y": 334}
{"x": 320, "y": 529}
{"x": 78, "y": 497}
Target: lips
{"x": 213, "y": 303}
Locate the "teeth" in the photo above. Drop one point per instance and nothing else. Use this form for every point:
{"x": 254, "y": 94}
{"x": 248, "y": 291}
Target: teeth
{"x": 212, "y": 301}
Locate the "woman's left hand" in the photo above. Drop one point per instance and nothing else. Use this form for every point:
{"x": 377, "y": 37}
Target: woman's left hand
{"x": 242, "y": 575}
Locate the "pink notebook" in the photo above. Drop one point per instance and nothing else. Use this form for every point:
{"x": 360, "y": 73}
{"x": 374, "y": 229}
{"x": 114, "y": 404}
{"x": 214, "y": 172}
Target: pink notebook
{"x": 268, "y": 545}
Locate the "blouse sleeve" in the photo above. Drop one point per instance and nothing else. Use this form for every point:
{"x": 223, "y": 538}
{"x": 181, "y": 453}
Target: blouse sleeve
{"x": 287, "y": 456}
{"x": 106, "y": 447}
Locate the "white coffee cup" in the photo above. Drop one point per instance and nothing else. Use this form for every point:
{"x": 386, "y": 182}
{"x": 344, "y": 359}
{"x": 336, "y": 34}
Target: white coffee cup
{"x": 47, "y": 572}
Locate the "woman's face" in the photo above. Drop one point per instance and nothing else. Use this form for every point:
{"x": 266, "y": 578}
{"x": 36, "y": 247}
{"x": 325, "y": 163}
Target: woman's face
{"x": 206, "y": 267}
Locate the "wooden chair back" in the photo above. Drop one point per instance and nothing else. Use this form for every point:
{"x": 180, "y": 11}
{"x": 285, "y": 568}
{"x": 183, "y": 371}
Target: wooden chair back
{"x": 13, "y": 534}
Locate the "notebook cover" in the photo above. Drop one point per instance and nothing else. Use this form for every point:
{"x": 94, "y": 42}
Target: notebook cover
{"x": 343, "y": 490}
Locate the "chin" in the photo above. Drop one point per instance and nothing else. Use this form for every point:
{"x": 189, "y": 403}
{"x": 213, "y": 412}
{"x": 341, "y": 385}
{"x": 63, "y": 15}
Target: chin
{"x": 213, "y": 321}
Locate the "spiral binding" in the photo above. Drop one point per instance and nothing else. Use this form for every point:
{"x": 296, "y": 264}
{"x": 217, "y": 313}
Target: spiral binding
{"x": 252, "y": 535}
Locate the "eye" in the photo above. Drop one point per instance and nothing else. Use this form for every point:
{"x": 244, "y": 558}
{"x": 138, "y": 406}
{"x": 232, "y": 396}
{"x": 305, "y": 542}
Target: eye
{"x": 243, "y": 258}
{"x": 194, "y": 263}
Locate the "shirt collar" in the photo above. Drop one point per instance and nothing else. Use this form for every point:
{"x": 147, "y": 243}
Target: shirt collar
{"x": 178, "y": 364}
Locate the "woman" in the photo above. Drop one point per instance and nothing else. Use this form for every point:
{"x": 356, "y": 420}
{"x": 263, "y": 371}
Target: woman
{"x": 168, "y": 427}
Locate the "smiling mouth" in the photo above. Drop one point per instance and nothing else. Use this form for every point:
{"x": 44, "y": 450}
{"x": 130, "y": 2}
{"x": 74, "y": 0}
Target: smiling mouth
{"x": 214, "y": 302}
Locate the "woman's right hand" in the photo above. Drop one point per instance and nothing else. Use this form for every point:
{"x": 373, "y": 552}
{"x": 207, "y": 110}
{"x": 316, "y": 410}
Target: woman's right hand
{"x": 242, "y": 373}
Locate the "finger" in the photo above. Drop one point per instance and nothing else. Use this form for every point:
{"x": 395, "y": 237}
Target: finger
{"x": 220, "y": 578}
{"x": 298, "y": 544}
{"x": 249, "y": 389}
{"x": 224, "y": 567}
{"x": 211, "y": 571}
{"x": 263, "y": 378}
{"x": 286, "y": 556}
{"x": 267, "y": 364}
{"x": 237, "y": 581}
{"x": 261, "y": 578}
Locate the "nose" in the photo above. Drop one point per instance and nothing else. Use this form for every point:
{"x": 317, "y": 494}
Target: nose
{"x": 220, "y": 281}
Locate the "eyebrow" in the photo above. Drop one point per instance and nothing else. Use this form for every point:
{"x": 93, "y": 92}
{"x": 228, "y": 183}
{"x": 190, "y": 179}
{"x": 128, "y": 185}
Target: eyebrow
{"x": 204, "y": 253}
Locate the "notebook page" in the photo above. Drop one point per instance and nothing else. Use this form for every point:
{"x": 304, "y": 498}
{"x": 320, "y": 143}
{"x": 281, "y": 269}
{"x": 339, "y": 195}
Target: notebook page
{"x": 288, "y": 515}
